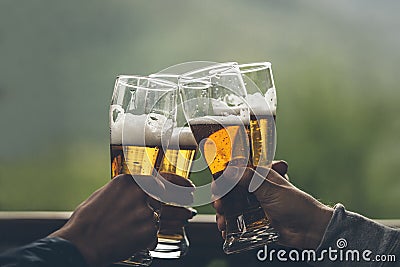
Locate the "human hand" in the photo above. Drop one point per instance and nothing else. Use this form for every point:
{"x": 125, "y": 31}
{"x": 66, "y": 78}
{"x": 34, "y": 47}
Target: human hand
{"x": 299, "y": 218}
{"x": 173, "y": 218}
{"x": 113, "y": 223}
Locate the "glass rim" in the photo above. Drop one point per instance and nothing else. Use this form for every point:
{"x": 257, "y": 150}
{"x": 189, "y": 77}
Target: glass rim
{"x": 205, "y": 83}
{"x": 158, "y": 75}
{"x": 256, "y": 66}
{"x": 167, "y": 85}
{"x": 220, "y": 67}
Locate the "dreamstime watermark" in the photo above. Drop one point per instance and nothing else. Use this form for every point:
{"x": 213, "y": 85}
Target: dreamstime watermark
{"x": 338, "y": 254}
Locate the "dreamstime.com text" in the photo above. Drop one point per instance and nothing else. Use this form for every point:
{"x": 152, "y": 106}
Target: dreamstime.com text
{"x": 338, "y": 254}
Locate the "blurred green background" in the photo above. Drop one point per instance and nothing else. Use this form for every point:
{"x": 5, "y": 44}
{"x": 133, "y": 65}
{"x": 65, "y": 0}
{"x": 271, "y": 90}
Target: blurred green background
{"x": 336, "y": 68}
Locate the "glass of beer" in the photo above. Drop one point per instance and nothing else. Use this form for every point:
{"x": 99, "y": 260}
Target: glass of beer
{"x": 215, "y": 105}
{"x": 142, "y": 115}
{"x": 262, "y": 101}
{"x": 172, "y": 240}
{"x": 176, "y": 165}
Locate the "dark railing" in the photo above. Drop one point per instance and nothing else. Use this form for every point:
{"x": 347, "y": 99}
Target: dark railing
{"x": 18, "y": 228}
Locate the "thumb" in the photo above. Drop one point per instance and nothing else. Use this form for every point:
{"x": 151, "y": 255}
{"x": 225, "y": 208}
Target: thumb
{"x": 280, "y": 166}
{"x": 259, "y": 176}
{"x": 274, "y": 184}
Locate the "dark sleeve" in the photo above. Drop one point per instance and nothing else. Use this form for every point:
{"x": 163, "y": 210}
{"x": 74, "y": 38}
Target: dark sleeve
{"x": 354, "y": 236}
{"x": 46, "y": 252}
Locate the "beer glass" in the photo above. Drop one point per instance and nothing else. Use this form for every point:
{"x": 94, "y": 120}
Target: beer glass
{"x": 215, "y": 105}
{"x": 142, "y": 115}
{"x": 262, "y": 101}
{"x": 178, "y": 159}
{"x": 172, "y": 240}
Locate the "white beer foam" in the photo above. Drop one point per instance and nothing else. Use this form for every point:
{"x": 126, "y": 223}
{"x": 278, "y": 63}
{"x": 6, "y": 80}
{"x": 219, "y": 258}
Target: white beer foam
{"x": 143, "y": 130}
{"x": 222, "y": 120}
{"x": 182, "y": 136}
{"x": 236, "y": 111}
{"x": 231, "y": 104}
{"x": 262, "y": 105}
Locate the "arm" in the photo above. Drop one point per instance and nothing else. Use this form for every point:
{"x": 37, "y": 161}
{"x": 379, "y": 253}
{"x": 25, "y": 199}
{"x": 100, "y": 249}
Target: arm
{"x": 46, "y": 252}
{"x": 111, "y": 225}
{"x": 305, "y": 223}
{"x": 351, "y": 231}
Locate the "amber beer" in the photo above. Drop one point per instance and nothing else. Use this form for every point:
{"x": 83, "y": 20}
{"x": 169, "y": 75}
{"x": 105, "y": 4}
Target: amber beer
{"x": 262, "y": 136}
{"x": 133, "y": 159}
{"x": 227, "y": 140}
{"x": 177, "y": 163}
{"x": 180, "y": 154}
{"x": 140, "y": 152}
{"x": 142, "y": 115}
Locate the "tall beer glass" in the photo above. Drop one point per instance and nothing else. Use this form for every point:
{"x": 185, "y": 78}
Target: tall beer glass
{"x": 176, "y": 165}
{"x": 172, "y": 240}
{"x": 142, "y": 115}
{"x": 215, "y": 104}
{"x": 262, "y": 101}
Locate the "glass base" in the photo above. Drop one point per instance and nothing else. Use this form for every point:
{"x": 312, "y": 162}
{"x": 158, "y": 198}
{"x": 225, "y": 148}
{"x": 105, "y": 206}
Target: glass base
{"x": 141, "y": 258}
{"x": 171, "y": 246}
{"x": 248, "y": 231}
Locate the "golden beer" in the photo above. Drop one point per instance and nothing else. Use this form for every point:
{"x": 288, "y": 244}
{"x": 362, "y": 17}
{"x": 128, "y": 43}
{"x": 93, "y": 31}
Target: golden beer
{"x": 176, "y": 164}
{"x": 142, "y": 114}
{"x": 179, "y": 161}
{"x": 218, "y": 101}
{"x": 262, "y": 137}
{"x": 133, "y": 159}
{"x": 223, "y": 143}
{"x": 229, "y": 142}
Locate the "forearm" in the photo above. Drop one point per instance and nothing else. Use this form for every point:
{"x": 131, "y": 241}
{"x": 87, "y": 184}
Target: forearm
{"x": 46, "y": 252}
{"x": 353, "y": 236}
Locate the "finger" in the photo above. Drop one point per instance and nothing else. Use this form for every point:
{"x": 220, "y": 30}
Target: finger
{"x": 220, "y": 219}
{"x": 253, "y": 179}
{"x": 257, "y": 179}
{"x": 280, "y": 166}
{"x": 178, "y": 198}
{"x": 272, "y": 176}
{"x": 275, "y": 178}
{"x": 151, "y": 185}
{"x": 217, "y": 204}
{"x": 176, "y": 179}
{"x": 177, "y": 213}
{"x": 223, "y": 234}
{"x": 244, "y": 176}
{"x": 286, "y": 177}
{"x": 154, "y": 204}
{"x": 178, "y": 191}
{"x": 226, "y": 181}
{"x": 124, "y": 188}
{"x": 156, "y": 218}
{"x": 152, "y": 234}
{"x": 274, "y": 183}
{"x": 141, "y": 215}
